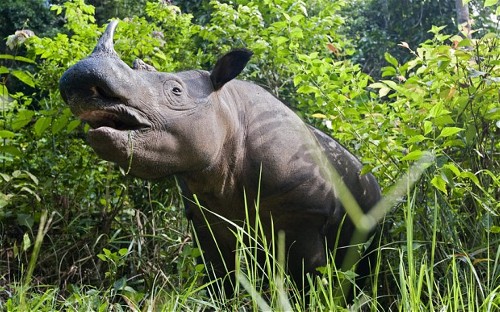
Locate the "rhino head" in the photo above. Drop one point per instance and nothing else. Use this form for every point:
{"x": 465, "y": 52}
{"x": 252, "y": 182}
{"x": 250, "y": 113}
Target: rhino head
{"x": 146, "y": 121}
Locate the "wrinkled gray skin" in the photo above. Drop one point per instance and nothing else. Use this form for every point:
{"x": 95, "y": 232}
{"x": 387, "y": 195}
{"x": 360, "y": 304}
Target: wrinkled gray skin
{"x": 216, "y": 133}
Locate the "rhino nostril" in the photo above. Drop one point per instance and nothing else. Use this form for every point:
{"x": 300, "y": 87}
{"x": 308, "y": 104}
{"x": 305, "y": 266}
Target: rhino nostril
{"x": 102, "y": 93}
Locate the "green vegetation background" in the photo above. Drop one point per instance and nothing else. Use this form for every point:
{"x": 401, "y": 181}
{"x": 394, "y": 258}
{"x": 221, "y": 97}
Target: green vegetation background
{"x": 391, "y": 80}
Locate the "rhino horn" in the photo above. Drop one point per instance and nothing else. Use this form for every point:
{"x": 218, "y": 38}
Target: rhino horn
{"x": 105, "y": 44}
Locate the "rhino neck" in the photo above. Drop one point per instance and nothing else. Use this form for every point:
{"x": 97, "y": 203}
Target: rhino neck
{"x": 221, "y": 180}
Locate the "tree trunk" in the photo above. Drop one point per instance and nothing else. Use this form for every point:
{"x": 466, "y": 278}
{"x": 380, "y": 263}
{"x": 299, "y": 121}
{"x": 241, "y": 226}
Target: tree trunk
{"x": 463, "y": 18}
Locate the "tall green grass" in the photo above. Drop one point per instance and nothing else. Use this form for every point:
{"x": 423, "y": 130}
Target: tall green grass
{"x": 466, "y": 284}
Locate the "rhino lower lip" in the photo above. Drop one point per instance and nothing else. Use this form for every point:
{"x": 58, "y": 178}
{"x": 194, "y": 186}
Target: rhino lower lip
{"x": 119, "y": 120}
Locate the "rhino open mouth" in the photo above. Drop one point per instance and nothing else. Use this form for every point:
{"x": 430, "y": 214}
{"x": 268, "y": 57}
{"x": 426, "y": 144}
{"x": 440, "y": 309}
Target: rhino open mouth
{"x": 118, "y": 118}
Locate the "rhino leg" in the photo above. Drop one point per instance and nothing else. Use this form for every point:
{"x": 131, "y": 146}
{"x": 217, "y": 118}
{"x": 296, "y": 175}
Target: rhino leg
{"x": 218, "y": 254}
{"x": 305, "y": 245}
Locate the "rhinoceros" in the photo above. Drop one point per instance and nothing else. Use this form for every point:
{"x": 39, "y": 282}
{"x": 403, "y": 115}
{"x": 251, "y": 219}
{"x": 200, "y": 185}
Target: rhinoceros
{"x": 236, "y": 150}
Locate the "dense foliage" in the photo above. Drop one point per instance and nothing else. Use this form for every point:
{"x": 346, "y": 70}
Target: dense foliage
{"x": 105, "y": 232}
{"x": 378, "y": 26}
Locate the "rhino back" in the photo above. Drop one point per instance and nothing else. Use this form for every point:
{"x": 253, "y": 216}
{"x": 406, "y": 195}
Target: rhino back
{"x": 363, "y": 187}
{"x": 282, "y": 157}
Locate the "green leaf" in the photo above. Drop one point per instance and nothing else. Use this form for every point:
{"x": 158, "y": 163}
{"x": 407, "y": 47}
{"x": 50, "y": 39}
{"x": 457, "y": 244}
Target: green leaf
{"x": 120, "y": 283}
{"x": 448, "y": 131}
{"x": 4, "y": 93}
{"x": 443, "y": 120}
{"x": 296, "y": 33}
{"x": 32, "y": 177}
{"x": 454, "y": 142}
{"x": 427, "y": 127}
{"x": 384, "y": 91}
{"x": 72, "y": 125}
{"x": 390, "y": 59}
{"x": 5, "y": 177}
{"x": 493, "y": 114}
{"x": 199, "y": 267}
{"x": 319, "y": 116}
{"x": 414, "y": 155}
{"x": 453, "y": 169}
{"x": 9, "y": 149}
{"x": 196, "y": 252}
{"x": 470, "y": 176}
{"x": 366, "y": 169}
{"x": 465, "y": 43}
{"x": 438, "y": 110}
{"x": 440, "y": 184}
{"x": 383, "y": 88}
{"x": 30, "y": 191}
{"x": 24, "y": 77}
{"x": 416, "y": 139}
{"x": 388, "y": 71}
{"x": 377, "y": 85}
{"x": 22, "y": 119}
{"x": 306, "y": 89}
{"x": 42, "y": 124}
{"x": 26, "y": 241}
{"x": 24, "y": 59}
{"x": 6, "y": 134}
{"x": 391, "y": 84}
{"x": 4, "y": 199}
{"x": 59, "y": 124}
{"x": 16, "y": 58}
{"x": 436, "y": 29}
{"x": 6, "y": 56}
{"x": 488, "y": 3}
{"x": 280, "y": 40}
{"x": 297, "y": 18}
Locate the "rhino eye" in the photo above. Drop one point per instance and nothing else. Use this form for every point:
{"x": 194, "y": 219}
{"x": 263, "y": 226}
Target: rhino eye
{"x": 176, "y": 91}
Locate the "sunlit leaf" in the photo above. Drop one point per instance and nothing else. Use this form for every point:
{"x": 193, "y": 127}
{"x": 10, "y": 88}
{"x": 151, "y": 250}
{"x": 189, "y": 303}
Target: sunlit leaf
{"x": 73, "y": 124}
{"x": 24, "y": 77}
{"x": 427, "y": 127}
{"x": 59, "y": 124}
{"x": 470, "y": 176}
{"x": 416, "y": 139}
{"x": 306, "y": 89}
{"x": 4, "y": 199}
{"x": 448, "y": 131}
{"x": 390, "y": 59}
{"x": 488, "y": 3}
{"x": 42, "y": 124}
{"x": 4, "y": 93}
{"x": 414, "y": 155}
{"x": 453, "y": 169}
{"x": 22, "y": 118}
{"x": 495, "y": 229}
{"x": 26, "y": 239}
{"x": 6, "y": 134}
{"x": 439, "y": 183}
{"x": 319, "y": 115}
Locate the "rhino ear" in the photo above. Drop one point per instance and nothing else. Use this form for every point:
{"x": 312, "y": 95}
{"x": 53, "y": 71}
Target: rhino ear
{"x": 229, "y": 66}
